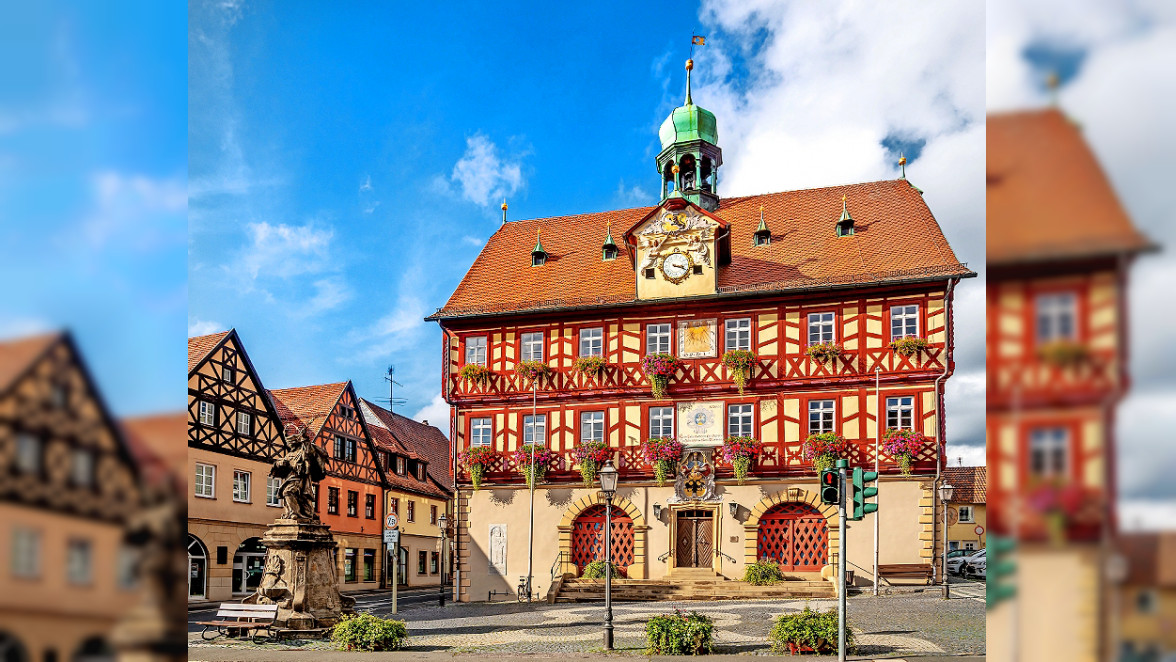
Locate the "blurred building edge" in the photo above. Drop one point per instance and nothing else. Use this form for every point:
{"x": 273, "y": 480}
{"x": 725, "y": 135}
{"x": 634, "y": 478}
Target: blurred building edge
{"x": 70, "y": 491}
{"x": 1147, "y": 627}
{"x": 967, "y": 517}
{"x": 1059, "y": 249}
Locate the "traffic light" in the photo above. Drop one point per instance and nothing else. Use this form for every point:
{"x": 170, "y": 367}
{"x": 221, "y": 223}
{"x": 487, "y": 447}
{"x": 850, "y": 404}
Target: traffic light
{"x": 860, "y": 493}
{"x": 830, "y": 487}
{"x": 998, "y": 582}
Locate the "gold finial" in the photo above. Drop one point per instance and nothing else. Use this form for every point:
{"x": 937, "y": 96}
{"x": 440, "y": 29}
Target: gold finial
{"x": 843, "y": 199}
{"x": 689, "y": 64}
{"x": 902, "y": 163}
{"x": 675, "y": 169}
{"x": 504, "y": 204}
{"x": 1052, "y": 81}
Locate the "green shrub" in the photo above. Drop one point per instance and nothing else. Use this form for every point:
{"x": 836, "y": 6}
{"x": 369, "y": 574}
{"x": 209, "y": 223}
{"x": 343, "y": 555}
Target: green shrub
{"x": 815, "y": 629}
{"x": 595, "y": 570}
{"x": 366, "y": 632}
{"x": 678, "y": 634}
{"x": 762, "y": 573}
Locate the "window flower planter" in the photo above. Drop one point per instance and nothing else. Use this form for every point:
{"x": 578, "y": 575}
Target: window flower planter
{"x": 663, "y": 453}
{"x": 741, "y": 453}
{"x": 909, "y": 346}
{"x": 532, "y": 371}
{"x": 476, "y": 373}
{"x": 533, "y": 474}
{"x": 824, "y": 449}
{"x": 903, "y": 446}
{"x": 592, "y": 367}
{"x": 477, "y": 459}
{"x": 1063, "y": 353}
{"x": 824, "y": 352}
{"x": 659, "y": 367}
{"x": 591, "y": 455}
{"x": 739, "y": 363}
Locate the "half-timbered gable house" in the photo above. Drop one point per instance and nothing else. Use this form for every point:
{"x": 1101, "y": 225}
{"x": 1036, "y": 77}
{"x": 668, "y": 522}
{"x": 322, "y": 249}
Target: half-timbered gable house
{"x": 350, "y": 498}
{"x": 845, "y": 269}
{"x": 68, "y": 485}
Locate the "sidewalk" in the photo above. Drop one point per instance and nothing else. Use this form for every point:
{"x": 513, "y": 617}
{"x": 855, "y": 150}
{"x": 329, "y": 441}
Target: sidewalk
{"x": 254, "y": 655}
{"x": 415, "y": 590}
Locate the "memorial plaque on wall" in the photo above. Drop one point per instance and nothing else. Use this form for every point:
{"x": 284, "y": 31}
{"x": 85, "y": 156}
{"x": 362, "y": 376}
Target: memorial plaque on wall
{"x": 700, "y": 423}
{"x": 497, "y": 549}
{"x": 698, "y": 339}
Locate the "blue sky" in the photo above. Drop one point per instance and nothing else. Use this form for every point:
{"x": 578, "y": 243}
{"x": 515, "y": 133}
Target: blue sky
{"x": 93, "y": 158}
{"x": 346, "y": 166}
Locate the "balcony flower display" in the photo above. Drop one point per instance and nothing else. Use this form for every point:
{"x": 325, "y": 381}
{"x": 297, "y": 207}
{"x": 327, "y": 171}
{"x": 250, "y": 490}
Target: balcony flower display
{"x": 909, "y": 346}
{"x": 1063, "y": 353}
{"x": 533, "y": 473}
{"x": 824, "y": 352}
{"x": 1059, "y": 504}
{"x": 476, "y": 373}
{"x": 477, "y": 459}
{"x": 741, "y": 452}
{"x": 663, "y": 453}
{"x": 823, "y": 449}
{"x": 591, "y": 455}
{"x": 659, "y": 367}
{"x": 903, "y": 446}
{"x": 531, "y": 371}
{"x": 590, "y": 366}
{"x": 739, "y": 362}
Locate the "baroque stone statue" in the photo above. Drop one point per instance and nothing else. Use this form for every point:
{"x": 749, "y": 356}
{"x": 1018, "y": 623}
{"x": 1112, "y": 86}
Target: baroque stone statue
{"x": 299, "y": 468}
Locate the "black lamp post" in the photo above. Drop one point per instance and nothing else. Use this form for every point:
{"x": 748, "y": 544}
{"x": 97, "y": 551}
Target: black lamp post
{"x": 442, "y": 523}
{"x": 608, "y": 485}
{"x": 946, "y": 491}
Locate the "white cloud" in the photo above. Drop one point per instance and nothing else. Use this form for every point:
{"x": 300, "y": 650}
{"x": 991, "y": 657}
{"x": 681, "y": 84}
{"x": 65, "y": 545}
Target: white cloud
{"x": 281, "y": 251}
{"x": 19, "y": 327}
{"x": 329, "y": 293}
{"x": 633, "y": 196}
{"x": 395, "y": 331}
{"x": 366, "y": 184}
{"x": 1144, "y": 515}
{"x": 483, "y": 175}
{"x": 136, "y": 211}
{"x": 436, "y": 413}
{"x": 199, "y": 327}
{"x": 471, "y": 240}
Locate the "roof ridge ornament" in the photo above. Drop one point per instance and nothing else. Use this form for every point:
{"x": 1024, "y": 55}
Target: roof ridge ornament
{"x": 689, "y": 68}
{"x": 902, "y": 164}
{"x": 504, "y": 211}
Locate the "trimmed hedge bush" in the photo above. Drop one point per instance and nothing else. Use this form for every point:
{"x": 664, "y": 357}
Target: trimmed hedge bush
{"x": 679, "y": 634}
{"x": 595, "y": 570}
{"x": 762, "y": 573}
{"x": 815, "y": 629}
{"x": 367, "y": 632}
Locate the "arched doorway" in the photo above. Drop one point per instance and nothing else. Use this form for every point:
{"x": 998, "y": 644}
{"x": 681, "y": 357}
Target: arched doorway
{"x": 248, "y": 565}
{"x": 11, "y": 650}
{"x": 795, "y": 535}
{"x": 588, "y": 538}
{"x": 197, "y": 568}
{"x": 94, "y": 649}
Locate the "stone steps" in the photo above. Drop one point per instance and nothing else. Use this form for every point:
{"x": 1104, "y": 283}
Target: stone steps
{"x": 678, "y": 588}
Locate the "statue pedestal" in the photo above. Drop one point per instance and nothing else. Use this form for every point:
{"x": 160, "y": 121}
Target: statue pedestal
{"x": 300, "y": 576}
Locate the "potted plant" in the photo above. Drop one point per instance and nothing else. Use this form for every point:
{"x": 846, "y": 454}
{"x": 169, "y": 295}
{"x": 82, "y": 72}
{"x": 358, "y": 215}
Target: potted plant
{"x": 808, "y": 631}
{"x": 531, "y": 371}
{"x": 475, "y": 373}
{"x": 823, "y": 449}
{"x": 595, "y": 570}
{"x": 739, "y": 363}
{"x": 659, "y": 367}
{"x": 591, "y": 367}
{"x": 477, "y": 459}
{"x": 591, "y": 455}
{"x": 909, "y": 346}
{"x": 763, "y": 572}
{"x": 533, "y": 473}
{"x": 368, "y": 632}
{"x": 741, "y": 452}
{"x": 663, "y": 453}
{"x": 903, "y": 446}
{"x": 824, "y": 352}
{"x": 1063, "y": 353}
{"x": 679, "y": 634}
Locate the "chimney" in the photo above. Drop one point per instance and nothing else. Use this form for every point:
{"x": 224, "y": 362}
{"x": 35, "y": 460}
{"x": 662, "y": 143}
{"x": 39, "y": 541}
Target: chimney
{"x": 425, "y": 422}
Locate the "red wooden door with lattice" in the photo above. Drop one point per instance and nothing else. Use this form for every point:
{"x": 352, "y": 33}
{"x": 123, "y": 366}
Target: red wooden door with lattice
{"x": 588, "y": 538}
{"x": 795, "y": 535}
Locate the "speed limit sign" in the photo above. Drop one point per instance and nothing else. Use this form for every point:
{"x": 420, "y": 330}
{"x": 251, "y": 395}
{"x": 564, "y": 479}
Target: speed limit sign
{"x": 391, "y": 522}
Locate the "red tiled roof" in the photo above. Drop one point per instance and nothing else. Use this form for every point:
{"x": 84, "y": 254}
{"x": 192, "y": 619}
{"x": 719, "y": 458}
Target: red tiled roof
{"x": 384, "y": 440}
{"x": 1047, "y": 196}
{"x": 1151, "y": 558}
{"x": 200, "y": 346}
{"x": 307, "y": 405}
{"x": 18, "y": 354}
{"x": 425, "y": 441}
{"x": 896, "y": 238}
{"x": 970, "y": 483}
{"x": 159, "y": 445}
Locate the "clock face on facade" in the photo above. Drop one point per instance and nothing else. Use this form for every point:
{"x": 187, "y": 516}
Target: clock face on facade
{"x": 676, "y": 267}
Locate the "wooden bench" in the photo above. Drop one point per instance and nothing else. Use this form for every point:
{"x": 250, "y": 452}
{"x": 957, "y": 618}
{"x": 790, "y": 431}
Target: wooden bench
{"x": 923, "y": 571}
{"x": 240, "y": 617}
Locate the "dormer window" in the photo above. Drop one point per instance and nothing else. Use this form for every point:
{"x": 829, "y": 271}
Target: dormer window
{"x": 538, "y": 259}
{"x": 610, "y": 252}
{"x": 763, "y": 238}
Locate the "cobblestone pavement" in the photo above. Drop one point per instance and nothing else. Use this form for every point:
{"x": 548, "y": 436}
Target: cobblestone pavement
{"x": 902, "y": 625}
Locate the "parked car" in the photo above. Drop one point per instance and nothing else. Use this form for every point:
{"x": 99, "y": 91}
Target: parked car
{"x": 955, "y": 565}
{"x": 976, "y": 567}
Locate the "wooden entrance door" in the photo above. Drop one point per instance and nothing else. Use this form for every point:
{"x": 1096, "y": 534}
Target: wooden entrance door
{"x": 694, "y": 541}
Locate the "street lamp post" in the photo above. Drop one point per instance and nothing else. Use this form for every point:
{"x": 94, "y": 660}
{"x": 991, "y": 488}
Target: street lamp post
{"x": 443, "y": 523}
{"x": 608, "y": 485}
{"x": 946, "y": 490}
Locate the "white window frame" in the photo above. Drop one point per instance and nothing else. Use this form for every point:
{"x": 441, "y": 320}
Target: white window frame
{"x": 242, "y": 485}
{"x": 737, "y": 334}
{"x": 535, "y": 429}
{"x": 128, "y": 566}
{"x": 28, "y": 452}
{"x": 659, "y": 338}
{"x": 741, "y": 420}
{"x": 481, "y": 431}
{"x": 79, "y": 562}
{"x": 26, "y": 553}
{"x": 906, "y": 318}
{"x": 82, "y": 468}
{"x": 661, "y": 422}
{"x": 228, "y": 374}
{"x": 897, "y": 408}
{"x": 476, "y": 350}
{"x": 531, "y": 346}
{"x": 206, "y": 412}
{"x": 824, "y": 414}
{"x": 970, "y": 517}
{"x": 1049, "y": 447}
{"x": 970, "y": 546}
{"x": 246, "y": 418}
{"x": 205, "y": 478}
{"x": 273, "y": 492}
{"x": 401, "y": 463}
{"x": 592, "y": 342}
{"x": 1052, "y": 311}
{"x": 591, "y": 426}
{"x": 822, "y": 328}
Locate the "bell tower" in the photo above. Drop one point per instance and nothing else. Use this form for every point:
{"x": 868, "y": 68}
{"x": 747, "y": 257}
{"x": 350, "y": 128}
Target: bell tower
{"x": 690, "y": 157}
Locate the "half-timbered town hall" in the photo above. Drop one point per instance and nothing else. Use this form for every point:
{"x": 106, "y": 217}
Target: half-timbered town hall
{"x": 794, "y": 324}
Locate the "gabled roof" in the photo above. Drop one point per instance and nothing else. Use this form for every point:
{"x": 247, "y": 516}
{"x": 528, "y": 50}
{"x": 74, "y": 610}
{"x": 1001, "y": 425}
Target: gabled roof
{"x": 1047, "y": 197}
{"x": 158, "y": 444}
{"x": 970, "y": 483}
{"x": 896, "y": 239}
{"x": 307, "y": 405}
{"x": 199, "y": 347}
{"x": 421, "y": 439}
{"x": 19, "y": 354}
{"x": 384, "y": 439}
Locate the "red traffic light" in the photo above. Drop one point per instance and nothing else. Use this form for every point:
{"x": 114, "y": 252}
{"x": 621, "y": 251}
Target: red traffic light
{"x": 829, "y": 477}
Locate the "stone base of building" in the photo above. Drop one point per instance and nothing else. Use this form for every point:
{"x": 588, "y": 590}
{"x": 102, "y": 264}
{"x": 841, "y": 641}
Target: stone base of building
{"x": 300, "y": 576}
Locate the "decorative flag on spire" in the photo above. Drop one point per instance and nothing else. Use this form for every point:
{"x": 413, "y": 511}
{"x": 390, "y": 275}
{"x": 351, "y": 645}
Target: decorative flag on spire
{"x": 698, "y": 40}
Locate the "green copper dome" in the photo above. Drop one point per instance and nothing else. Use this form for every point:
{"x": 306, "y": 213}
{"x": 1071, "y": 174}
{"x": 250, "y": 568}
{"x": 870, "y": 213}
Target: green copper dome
{"x": 689, "y": 122}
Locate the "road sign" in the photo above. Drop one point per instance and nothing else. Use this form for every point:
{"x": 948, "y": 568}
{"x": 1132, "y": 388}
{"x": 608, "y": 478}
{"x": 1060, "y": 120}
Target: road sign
{"x": 391, "y": 537}
{"x": 391, "y": 522}
{"x": 979, "y": 530}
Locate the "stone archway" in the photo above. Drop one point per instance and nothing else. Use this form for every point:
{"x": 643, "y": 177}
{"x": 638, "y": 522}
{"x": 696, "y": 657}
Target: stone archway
{"x": 636, "y": 569}
{"x": 790, "y": 495}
